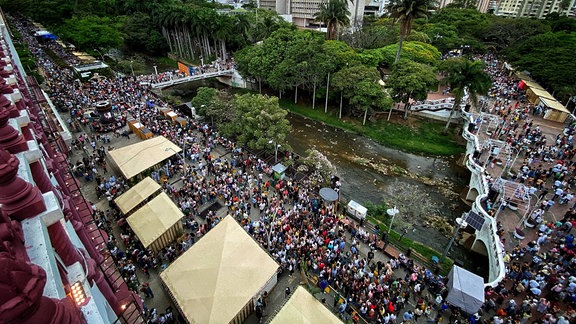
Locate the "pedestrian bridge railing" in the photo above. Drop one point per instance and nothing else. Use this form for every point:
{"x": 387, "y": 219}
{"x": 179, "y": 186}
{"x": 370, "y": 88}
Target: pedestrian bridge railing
{"x": 195, "y": 77}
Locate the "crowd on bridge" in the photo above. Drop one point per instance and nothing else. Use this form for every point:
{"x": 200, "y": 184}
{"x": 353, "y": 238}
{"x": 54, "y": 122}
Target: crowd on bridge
{"x": 284, "y": 218}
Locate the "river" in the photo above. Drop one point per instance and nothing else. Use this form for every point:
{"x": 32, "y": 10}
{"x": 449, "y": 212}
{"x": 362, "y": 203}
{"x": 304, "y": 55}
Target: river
{"x": 425, "y": 189}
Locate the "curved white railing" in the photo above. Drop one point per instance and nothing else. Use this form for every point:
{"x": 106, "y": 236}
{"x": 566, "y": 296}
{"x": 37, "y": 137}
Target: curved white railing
{"x": 497, "y": 268}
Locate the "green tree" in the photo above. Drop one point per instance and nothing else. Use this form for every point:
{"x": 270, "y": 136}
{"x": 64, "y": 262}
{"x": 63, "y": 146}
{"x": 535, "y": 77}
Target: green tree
{"x": 505, "y": 32}
{"x": 204, "y": 100}
{"x": 334, "y": 14}
{"x": 464, "y": 77}
{"x": 141, "y": 36}
{"x": 549, "y": 58}
{"x": 468, "y": 22}
{"x": 410, "y": 80}
{"x": 260, "y": 123}
{"x": 360, "y": 85}
{"x": 405, "y": 12}
{"x": 444, "y": 37}
{"x": 91, "y": 32}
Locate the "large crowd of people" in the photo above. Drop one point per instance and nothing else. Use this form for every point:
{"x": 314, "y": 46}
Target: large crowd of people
{"x": 281, "y": 215}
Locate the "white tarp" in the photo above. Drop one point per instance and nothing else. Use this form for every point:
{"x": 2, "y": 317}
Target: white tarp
{"x": 465, "y": 290}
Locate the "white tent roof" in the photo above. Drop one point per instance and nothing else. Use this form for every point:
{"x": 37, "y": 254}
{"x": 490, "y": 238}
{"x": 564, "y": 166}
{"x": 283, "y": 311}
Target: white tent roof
{"x": 153, "y": 219}
{"x": 303, "y": 308}
{"x": 137, "y": 194}
{"x": 214, "y": 279}
{"x": 465, "y": 290}
{"x": 135, "y": 158}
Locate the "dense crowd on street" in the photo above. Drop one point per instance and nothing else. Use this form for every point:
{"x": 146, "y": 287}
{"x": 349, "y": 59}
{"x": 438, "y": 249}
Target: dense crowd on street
{"x": 284, "y": 217}
{"x": 540, "y": 284}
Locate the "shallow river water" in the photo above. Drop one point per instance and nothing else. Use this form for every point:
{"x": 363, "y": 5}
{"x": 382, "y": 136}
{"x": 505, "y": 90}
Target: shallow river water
{"x": 371, "y": 172}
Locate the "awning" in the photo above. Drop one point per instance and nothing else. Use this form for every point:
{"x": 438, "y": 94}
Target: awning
{"x": 541, "y": 93}
{"x": 465, "y": 290}
{"x": 554, "y": 105}
{"x": 133, "y": 159}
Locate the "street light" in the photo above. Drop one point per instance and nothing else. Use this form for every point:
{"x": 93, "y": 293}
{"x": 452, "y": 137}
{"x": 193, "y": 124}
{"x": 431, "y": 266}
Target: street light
{"x": 392, "y": 212}
{"x": 276, "y": 147}
{"x": 155, "y": 69}
{"x": 101, "y": 55}
{"x": 460, "y": 223}
{"x": 131, "y": 67}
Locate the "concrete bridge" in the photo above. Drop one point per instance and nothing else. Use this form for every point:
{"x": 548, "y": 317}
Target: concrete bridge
{"x": 486, "y": 239}
{"x": 222, "y": 73}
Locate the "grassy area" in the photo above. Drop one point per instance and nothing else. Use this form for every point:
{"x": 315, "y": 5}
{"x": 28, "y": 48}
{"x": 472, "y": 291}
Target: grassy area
{"x": 405, "y": 244}
{"x": 424, "y": 138}
{"x": 377, "y": 216}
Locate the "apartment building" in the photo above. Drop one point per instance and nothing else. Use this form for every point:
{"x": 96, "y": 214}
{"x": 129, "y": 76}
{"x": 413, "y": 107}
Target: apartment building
{"x": 301, "y": 12}
{"x": 531, "y": 8}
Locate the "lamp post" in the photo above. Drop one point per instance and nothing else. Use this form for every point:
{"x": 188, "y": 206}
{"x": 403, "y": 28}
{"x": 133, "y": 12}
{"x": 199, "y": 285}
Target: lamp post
{"x": 155, "y": 69}
{"x": 276, "y": 147}
{"x": 101, "y": 55}
{"x": 392, "y": 212}
{"x": 460, "y": 223}
{"x": 131, "y": 67}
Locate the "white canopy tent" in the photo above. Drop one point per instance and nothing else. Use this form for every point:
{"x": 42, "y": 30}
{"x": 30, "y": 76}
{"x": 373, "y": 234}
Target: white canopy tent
{"x": 465, "y": 290}
{"x": 216, "y": 280}
{"x": 303, "y": 308}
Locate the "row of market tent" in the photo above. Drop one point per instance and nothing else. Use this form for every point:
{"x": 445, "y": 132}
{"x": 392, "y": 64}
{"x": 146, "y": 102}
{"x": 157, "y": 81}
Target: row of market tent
{"x": 219, "y": 278}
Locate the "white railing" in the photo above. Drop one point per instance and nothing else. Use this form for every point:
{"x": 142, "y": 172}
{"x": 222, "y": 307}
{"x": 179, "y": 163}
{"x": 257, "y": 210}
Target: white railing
{"x": 491, "y": 239}
{"x": 195, "y": 77}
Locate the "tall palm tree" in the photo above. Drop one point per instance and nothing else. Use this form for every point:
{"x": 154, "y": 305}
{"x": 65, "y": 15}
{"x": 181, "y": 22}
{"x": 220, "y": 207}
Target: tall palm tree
{"x": 464, "y": 77}
{"x": 405, "y": 12}
{"x": 335, "y": 14}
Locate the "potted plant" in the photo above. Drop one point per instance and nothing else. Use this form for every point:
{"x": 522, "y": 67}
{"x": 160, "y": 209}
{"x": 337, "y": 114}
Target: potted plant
{"x": 512, "y": 205}
{"x": 519, "y": 233}
{"x": 530, "y": 222}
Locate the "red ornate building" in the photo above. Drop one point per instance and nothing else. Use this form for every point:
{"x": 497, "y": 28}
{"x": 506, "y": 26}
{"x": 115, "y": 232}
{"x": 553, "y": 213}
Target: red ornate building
{"x": 54, "y": 267}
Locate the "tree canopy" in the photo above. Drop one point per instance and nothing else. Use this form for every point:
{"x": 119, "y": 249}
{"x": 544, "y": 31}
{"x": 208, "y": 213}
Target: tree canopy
{"x": 260, "y": 123}
{"x": 410, "y": 80}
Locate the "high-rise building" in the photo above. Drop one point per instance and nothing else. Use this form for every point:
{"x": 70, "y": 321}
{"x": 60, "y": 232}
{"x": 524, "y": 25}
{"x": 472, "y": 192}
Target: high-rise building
{"x": 301, "y": 12}
{"x": 481, "y": 5}
{"x": 54, "y": 265}
{"x": 531, "y": 8}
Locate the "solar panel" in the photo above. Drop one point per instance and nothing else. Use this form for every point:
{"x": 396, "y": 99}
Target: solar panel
{"x": 475, "y": 220}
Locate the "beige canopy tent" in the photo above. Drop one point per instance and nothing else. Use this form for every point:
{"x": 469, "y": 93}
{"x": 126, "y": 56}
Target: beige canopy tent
{"x": 557, "y": 111}
{"x": 157, "y": 223}
{"x": 303, "y": 308}
{"x": 216, "y": 280}
{"x": 134, "y": 159}
{"x": 136, "y": 195}
{"x": 536, "y": 94}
